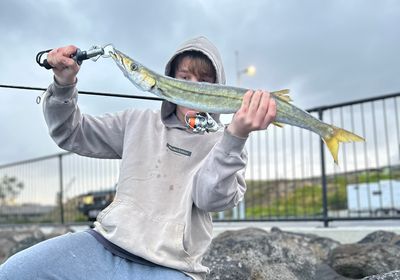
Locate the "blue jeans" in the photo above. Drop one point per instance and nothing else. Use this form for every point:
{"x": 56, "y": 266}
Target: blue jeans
{"x": 78, "y": 256}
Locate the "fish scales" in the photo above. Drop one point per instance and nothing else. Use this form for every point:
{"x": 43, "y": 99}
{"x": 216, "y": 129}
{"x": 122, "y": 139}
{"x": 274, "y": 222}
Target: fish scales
{"x": 221, "y": 99}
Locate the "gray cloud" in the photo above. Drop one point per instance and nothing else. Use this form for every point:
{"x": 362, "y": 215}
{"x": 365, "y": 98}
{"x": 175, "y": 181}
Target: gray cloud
{"x": 324, "y": 51}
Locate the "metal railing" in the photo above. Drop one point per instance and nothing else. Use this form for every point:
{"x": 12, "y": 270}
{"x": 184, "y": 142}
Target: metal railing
{"x": 290, "y": 174}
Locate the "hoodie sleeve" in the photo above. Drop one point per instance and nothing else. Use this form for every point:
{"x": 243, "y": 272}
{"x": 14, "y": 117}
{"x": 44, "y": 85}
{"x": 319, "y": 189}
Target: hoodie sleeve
{"x": 220, "y": 183}
{"x": 100, "y": 137}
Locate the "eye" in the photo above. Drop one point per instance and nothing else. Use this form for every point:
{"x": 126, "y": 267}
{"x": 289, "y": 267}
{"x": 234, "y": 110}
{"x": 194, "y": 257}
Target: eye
{"x": 181, "y": 77}
{"x": 134, "y": 67}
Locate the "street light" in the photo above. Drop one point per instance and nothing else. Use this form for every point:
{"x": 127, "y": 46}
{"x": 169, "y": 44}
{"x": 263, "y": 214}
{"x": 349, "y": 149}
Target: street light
{"x": 249, "y": 70}
{"x": 240, "y": 210}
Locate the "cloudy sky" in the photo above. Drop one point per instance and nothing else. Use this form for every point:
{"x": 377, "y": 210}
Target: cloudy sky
{"x": 324, "y": 51}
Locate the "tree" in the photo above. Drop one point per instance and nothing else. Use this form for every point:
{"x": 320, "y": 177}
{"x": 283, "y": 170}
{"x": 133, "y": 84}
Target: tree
{"x": 10, "y": 188}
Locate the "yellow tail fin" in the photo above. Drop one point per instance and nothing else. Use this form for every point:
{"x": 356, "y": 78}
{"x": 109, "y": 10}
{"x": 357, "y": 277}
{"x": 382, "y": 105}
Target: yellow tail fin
{"x": 339, "y": 135}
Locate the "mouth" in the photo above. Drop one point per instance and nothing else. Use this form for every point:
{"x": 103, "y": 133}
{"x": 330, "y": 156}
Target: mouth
{"x": 118, "y": 57}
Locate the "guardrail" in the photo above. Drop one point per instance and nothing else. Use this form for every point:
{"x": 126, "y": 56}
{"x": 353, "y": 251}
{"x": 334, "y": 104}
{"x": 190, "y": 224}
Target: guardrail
{"x": 289, "y": 175}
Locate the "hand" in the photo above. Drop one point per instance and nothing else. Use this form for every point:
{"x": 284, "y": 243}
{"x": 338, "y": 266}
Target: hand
{"x": 64, "y": 67}
{"x": 258, "y": 110}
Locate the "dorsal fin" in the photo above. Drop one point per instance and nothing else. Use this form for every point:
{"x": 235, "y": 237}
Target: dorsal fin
{"x": 283, "y": 95}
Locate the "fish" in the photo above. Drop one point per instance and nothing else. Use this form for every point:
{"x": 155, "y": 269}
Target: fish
{"x": 222, "y": 99}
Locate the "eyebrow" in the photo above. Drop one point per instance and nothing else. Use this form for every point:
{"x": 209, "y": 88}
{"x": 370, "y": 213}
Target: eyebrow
{"x": 209, "y": 79}
{"x": 185, "y": 70}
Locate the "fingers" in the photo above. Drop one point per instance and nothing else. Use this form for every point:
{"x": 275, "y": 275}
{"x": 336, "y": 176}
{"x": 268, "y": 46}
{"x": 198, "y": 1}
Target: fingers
{"x": 261, "y": 109}
{"x": 60, "y": 58}
{"x": 246, "y": 101}
{"x": 271, "y": 113}
{"x": 258, "y": 110}
{"x": 68, "y": 51}
{"x": 64, "y": 67}
{"x": 251, "y": 102}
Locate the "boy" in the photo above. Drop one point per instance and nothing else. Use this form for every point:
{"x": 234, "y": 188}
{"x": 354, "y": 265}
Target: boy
{"x": 158, "y": 226}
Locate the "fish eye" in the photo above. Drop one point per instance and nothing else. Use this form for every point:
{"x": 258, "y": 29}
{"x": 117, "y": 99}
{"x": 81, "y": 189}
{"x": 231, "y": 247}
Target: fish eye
{"x": 134, "y": 67}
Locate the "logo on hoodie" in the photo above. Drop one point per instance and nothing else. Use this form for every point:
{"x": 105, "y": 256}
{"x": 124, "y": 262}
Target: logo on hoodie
{"x": 179, "y": 150}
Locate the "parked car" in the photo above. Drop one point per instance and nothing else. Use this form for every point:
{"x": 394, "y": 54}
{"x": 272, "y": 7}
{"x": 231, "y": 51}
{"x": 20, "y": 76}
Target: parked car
{"x": 91, "y": 203}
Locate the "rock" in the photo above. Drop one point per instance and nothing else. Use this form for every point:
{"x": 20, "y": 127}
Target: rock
{"x": 377, "y": 253}
{"x": 325, "y": 272}
{"x": 320, "y": 246}
{"x": 14, "y": 240}
{"x": 59, "y": 230}
{"x": 361, "y": 260}
{"x": 21, "y": 237}
{"x": 393, "y": 275}
{"x": 253, "y": 253}
{"x": 381, "y": 236}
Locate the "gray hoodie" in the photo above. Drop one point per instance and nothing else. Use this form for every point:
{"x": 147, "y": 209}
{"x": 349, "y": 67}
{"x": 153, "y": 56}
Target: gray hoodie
{"x": 170, "y": 179}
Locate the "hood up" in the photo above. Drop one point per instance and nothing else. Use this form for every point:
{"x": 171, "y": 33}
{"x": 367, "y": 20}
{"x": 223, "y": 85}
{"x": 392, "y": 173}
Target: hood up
{"x": 201, "y": 44}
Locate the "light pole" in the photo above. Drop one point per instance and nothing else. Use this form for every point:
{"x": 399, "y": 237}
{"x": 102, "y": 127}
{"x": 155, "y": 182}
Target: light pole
{"x": 240, "y": 210}
{"x": 249, "y": 70}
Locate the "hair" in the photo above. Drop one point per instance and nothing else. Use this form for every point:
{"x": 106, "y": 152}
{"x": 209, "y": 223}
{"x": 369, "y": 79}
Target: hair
{"x": 200, "y": 64}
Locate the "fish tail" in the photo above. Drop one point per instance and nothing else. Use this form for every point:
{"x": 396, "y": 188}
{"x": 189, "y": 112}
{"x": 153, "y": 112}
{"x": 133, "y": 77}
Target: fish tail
{"x": 339, "y": 135}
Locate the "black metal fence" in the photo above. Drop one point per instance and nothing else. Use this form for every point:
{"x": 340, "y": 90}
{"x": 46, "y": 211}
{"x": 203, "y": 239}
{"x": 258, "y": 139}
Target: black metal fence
{"x": 290, "y": 175}
{"x": 293, "y": 176}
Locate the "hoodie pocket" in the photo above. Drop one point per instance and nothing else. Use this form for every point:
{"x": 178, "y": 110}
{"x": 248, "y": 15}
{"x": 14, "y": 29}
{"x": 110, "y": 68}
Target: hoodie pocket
{"x": 158, "y": 240}
{"x": 180, "y": 239}
{"x": 106, "y": 210}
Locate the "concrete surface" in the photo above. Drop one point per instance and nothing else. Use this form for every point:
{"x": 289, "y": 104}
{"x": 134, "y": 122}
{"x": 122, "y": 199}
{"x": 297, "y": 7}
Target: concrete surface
{"x": 344, "y": 232}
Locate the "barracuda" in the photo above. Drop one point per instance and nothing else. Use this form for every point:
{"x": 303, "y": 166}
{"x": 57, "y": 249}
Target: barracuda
{"x": 215, "y": 98}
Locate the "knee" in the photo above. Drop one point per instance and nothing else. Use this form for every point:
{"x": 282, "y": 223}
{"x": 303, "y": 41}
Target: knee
{"x": 20, "y": 266}
{"x": 11, "y": 270}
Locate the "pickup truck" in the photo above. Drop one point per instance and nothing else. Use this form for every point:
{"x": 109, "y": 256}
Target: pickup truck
{"x": 91, "y": 203}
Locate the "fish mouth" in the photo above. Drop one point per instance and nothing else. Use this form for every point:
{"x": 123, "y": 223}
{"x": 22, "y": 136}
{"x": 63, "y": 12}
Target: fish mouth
{"x": 120, "y": 59}
{"x": 117, "y": 56}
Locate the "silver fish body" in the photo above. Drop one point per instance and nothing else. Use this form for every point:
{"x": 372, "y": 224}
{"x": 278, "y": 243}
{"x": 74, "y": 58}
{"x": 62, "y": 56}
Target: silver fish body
{"x": 215, "y": 98}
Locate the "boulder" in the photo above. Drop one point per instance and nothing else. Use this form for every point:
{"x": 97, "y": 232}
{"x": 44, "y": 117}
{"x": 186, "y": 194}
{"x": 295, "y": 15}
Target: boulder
{"x": 253, "y": 253}
{"x": 319, "y": 246}
{"x": 18, "y": 238}
{"x": 393, "y": 275}
{"x": 325, "y": 272}
{"x": 256, "y": 254}
{"x": 381, "y": 236}
{"x": 377, "y": 253}
{"x": 361, "y": 260}
{"x": 14, "y": 240}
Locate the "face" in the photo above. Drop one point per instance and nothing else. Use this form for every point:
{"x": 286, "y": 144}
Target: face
{"x": 183, "y": 72}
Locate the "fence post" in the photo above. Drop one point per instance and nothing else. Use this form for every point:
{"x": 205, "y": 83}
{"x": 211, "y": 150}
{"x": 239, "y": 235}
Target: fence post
{"x": 323, "y": 178}
{"x": 60, "y": 172}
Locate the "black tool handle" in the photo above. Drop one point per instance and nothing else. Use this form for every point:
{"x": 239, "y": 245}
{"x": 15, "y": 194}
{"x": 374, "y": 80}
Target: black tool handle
{"x": 43, "y": 63}
{"x": 78, "y": 56}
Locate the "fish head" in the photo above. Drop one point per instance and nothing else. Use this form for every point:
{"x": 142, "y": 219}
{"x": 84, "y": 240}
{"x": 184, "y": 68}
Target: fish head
{"x": 139, "y": 75}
